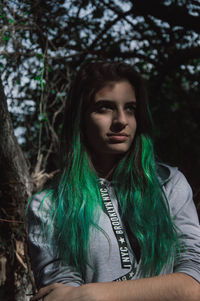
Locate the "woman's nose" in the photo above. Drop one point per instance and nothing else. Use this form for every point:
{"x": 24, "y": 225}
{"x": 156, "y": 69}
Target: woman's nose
{"x": 119, "y": 119}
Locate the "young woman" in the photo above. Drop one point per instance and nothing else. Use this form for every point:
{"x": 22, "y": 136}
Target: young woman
{"x": 115, "y": 214}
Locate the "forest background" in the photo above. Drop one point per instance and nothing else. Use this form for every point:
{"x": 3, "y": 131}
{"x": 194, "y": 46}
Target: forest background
{"x": 42, "y": 44}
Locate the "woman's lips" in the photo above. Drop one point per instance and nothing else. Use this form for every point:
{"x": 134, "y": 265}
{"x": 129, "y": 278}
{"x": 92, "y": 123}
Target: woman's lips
{"x": 118, "y": 138}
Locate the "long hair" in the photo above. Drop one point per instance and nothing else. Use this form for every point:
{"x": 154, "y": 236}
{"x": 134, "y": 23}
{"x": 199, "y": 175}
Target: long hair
{"x": 143, "y": 205}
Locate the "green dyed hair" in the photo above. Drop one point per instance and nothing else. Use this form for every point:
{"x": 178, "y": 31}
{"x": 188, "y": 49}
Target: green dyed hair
{"x": 141, "y": 199}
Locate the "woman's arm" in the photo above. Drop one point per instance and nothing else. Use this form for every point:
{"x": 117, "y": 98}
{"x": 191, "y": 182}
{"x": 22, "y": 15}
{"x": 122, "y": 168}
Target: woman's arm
{"x": 172, "y": 287}
{"x": 184, "y": 214}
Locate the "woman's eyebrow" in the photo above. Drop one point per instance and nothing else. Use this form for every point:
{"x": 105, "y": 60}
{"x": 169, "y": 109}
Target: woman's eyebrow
{"x": 102, "y": 101}
{"x": 133, "y": 102}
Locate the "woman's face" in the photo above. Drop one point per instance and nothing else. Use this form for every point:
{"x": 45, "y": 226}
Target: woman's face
{"x": 110, "y": 122}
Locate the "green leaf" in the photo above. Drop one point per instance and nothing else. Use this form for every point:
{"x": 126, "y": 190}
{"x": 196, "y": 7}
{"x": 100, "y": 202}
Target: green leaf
{"x": 43, "y": 117}
{"x": 3, "y": 16}
{"x": 42, "y": 83}
{"x": 6, "y": 38}
{"x": 39, "y": 55}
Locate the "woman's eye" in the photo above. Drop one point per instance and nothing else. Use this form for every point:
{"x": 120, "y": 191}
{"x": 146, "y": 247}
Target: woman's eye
{"x": 131, "y": 109}
{"x": 104, "y": 108}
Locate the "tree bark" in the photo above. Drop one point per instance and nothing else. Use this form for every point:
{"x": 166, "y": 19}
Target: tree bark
{"x": 15, "y": 189}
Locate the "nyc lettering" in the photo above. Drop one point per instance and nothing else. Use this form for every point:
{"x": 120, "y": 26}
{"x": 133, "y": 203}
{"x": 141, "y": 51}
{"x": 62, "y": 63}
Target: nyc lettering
{"x": 125, "y": 256}
{"x": 125, "y": 249}
{"x": 105, "y": 196}
{"x": 108, "y": 204}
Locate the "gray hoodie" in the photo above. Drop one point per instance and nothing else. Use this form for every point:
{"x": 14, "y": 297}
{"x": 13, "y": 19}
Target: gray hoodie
{"x": 103, "y": 252}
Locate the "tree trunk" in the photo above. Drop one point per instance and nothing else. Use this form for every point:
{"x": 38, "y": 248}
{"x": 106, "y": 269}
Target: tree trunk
{"x": 15, "y": 189}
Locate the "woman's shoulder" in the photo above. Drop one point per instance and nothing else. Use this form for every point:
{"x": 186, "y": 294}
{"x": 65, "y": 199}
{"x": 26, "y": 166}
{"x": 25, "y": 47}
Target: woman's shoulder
{"x": 176, "y": 186}
{"x": 166, "y": 172}
{"x": 170, "y": 175}
{"x": 41, "y": 202}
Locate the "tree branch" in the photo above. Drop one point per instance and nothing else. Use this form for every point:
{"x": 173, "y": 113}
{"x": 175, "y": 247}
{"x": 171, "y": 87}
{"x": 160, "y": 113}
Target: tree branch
{"x": 173, "y": 14}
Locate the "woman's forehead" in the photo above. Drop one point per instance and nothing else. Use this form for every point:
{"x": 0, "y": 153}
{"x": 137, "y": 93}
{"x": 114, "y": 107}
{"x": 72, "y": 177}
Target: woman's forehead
{"x": 118, "y": 89}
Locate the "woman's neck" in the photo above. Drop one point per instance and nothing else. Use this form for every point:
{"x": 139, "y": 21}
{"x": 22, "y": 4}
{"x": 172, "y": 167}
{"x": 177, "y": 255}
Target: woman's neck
{"x": 105, "y": 165}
